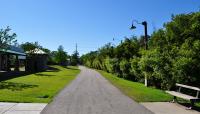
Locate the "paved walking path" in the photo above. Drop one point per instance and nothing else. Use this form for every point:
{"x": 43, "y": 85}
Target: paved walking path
{"x": 90, "y": 93}
{"x": 168, "y": 108}
{"x": 21, "y": 108}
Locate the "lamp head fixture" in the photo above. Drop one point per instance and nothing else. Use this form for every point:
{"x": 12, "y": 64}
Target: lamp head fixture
{"x": 133, "y": 27}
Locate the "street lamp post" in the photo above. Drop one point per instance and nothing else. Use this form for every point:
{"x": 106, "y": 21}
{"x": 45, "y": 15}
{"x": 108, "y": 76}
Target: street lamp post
{"x": 144, "y": 23}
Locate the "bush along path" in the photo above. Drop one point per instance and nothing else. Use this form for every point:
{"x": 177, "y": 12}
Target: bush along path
{"x": 172, "y": 56}
{"x": 90, "y": 93}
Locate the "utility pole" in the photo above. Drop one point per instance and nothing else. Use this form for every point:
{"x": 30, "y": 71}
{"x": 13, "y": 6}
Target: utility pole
{"x": 76, "y": 54}
{"x": 76, "y": 47}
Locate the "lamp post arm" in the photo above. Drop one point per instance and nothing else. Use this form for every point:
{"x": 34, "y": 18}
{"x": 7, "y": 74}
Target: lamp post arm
{"x": 136, "y": 22}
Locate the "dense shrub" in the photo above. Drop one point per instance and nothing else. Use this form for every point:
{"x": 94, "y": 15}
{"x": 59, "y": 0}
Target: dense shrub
{"x": 124, "y": 68}
{"x": 173, "y": 55}
{"x": 135, "y": 70}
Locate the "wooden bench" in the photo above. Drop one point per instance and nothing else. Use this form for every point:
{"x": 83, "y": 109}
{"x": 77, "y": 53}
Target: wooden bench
{"x": 178, "y": 93}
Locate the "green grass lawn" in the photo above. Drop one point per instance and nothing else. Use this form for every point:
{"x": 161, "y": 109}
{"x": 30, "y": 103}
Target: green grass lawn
{"x": 137, "y": 91}
{"x": 39, "y": 87}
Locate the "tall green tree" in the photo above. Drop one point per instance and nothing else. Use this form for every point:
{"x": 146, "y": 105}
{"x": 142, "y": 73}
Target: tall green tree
{"x": 6, "y": 38}
{"x": 173, "y": 55}
{"x": 61, "y": 56}
{"x": 28, "y": 46}
{"x": 75, "y": 58}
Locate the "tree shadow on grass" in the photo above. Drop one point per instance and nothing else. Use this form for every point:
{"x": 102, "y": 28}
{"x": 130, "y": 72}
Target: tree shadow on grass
{"x": 15, "y": 86}
{"x": 40, "y": 74}
{"x": 13, "y": 74}
{"x": 52, "y": 69}
{"x": 69, "y": 68}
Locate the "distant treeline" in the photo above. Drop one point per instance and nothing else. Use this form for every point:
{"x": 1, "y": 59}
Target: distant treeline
{"x": 173, "y": 55}
{"x": 9, "y": 41}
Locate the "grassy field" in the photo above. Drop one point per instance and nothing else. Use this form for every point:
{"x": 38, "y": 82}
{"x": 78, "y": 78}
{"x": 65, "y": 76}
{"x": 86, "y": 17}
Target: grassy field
{"x": 39, "y": 87}
{"x": 137, "y": 91}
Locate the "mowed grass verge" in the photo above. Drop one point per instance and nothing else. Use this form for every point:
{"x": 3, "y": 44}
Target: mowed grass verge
{"x": 137, "y": 91}
{"x": 39, "y": 87}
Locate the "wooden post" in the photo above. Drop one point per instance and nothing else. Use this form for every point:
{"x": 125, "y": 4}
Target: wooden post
{"x": 197, "y": 94}
{"x": 0, "y": 62}
{"x": 3, "y": 65}
{"x": 17, "y": 63}
{"x": 179, "y": 89}
{"x": 8, "y": 62}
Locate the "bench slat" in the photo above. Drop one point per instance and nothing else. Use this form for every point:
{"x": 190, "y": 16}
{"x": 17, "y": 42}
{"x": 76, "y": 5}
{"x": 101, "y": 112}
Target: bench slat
{"x": 184, "y": 96}
{"x": 189, "y": 87}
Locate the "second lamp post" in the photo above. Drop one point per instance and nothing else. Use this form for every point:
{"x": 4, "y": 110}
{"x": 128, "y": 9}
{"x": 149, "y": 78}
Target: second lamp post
{"x": 145, "y": 39}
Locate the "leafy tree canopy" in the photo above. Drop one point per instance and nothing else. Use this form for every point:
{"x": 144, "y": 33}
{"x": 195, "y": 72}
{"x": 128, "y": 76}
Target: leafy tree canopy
{"x": 173, "y": 55}
{"x": 6, "y": 38}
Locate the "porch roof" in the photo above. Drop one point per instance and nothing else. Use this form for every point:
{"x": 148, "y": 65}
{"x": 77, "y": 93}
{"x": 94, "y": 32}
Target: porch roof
{"x": 12, "y": 52}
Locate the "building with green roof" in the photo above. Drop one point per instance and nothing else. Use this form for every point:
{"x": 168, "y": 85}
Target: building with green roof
{"x": 6, "y": 55}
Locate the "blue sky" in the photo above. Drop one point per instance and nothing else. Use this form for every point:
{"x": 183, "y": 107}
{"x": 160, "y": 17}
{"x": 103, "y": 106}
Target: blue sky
{"x": 89, "y": 23}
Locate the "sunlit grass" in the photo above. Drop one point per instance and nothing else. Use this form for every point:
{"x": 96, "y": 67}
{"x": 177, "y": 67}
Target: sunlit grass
{"x": 38, "y": 87}
{"x": 141, "y": 93}
{"x": 137, "y": 91}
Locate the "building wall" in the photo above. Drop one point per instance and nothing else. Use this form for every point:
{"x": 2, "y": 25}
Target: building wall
{"x": 3, "y": 62}
{"x": 0, "y": 61}
{"x": 36, "y": 63}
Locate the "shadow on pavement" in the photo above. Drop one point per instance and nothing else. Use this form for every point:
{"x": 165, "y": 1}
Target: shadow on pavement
{"x": 196, "y": 108}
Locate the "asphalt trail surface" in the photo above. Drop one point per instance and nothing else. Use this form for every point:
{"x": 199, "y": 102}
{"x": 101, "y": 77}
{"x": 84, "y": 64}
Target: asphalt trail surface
{"x": 90, "y": 93}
